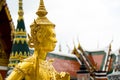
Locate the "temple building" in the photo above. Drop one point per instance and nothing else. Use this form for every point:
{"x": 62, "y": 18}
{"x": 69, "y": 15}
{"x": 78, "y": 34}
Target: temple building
{"x": 99, "y": 63}
{"x": 65, "y": 62}
{"x": 115, "y": 75}
{"x": 14, "y": 48}
{"x": 6, "y": 36}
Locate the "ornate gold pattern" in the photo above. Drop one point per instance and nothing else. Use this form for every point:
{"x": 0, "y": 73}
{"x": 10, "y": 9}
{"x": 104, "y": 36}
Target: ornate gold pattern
{"x": 2, "y": 2}
{"x": 3, "y": 56}
{"x": 20, "y": 12}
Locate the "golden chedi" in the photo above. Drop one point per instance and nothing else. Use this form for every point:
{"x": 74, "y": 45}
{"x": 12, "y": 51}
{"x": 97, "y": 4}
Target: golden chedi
{"x": 43, "y": 40}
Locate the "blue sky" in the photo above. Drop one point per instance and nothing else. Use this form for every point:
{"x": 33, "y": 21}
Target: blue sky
{"x": 95, "y": 22}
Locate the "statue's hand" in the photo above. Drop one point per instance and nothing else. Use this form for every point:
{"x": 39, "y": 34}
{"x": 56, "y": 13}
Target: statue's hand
{"x": 63, "y": 76}
{"x": 51, "y": 60}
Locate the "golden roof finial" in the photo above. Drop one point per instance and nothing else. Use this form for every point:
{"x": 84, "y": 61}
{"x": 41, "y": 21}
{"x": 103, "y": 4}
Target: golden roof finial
{"x": 20, "y": 11}
{"x": 41, "y": 10}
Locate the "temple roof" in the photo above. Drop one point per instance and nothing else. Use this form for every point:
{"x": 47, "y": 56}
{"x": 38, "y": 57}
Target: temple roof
{"x": 6, "y": 36}
{"x": 6, "y": 29}
{"x": 65, "y": 63}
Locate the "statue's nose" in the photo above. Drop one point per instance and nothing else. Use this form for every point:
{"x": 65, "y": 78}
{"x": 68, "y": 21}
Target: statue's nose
{"x": 55, "y": 41}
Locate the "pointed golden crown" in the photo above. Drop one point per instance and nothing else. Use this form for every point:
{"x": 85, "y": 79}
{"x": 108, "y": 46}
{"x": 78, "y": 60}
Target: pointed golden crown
{"x": 41, "y": 10}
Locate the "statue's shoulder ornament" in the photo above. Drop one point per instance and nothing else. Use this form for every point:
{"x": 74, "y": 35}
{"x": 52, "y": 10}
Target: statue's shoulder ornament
{"x": 25, "y": 66}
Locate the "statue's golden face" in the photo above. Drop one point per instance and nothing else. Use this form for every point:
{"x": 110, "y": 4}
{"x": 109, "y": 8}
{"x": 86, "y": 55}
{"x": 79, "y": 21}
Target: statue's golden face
{"x": 47, "y": 38}
{"x": 52, "y": 40}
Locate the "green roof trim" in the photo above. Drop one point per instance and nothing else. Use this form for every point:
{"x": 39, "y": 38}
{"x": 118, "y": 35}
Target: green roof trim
{"x": 61, "y": 56}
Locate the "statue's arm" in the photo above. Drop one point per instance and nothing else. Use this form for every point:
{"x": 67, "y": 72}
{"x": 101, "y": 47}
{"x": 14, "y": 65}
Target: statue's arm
{"x": 19, "y": 71}
{"x": 17, "y": 74}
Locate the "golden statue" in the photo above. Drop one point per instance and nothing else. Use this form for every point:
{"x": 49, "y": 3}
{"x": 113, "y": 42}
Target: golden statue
{"x": 43, "y": 40}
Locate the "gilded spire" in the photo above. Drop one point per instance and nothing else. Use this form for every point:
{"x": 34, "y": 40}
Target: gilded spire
{"x": 41, "y": 10}
{"x": 20, "y": 21}
{"x": 20, "y": 11}
{"x": 20, "y": 49}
